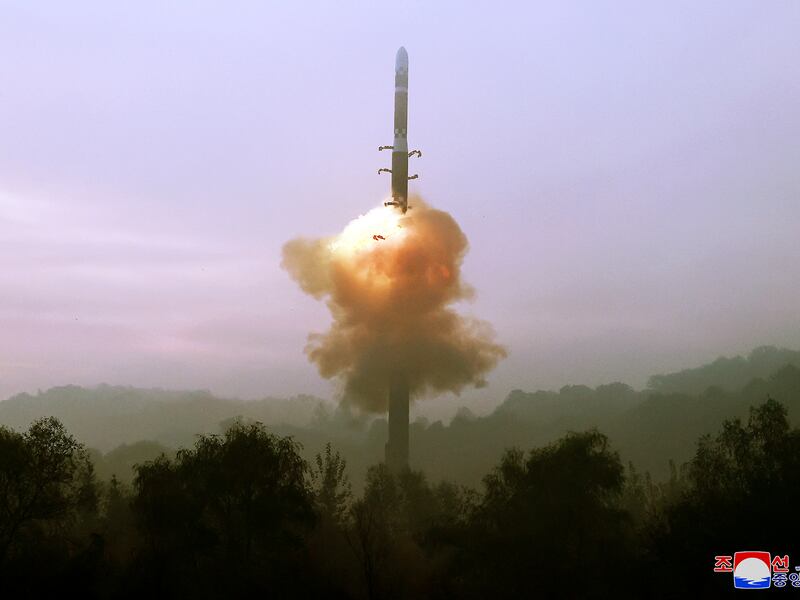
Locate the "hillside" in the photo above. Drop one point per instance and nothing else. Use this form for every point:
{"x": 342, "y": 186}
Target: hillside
{"x": 648, "y": 427}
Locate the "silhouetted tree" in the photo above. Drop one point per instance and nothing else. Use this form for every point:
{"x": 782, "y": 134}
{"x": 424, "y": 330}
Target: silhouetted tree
{"x": 332, "y": 489}
{"x": 48, "y": 502}
{"x": 327, "y": 545}
{"x": 118, "y": 525}
{"x": 545, "y": 517}
{"x": 230, "y": 512}
{"x": 375, "y": 529}
{"x": 397, "y": 534}
{"x": 744, "y": 488}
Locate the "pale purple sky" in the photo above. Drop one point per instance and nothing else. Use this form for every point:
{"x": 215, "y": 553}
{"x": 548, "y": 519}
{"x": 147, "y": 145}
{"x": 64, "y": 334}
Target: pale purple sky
{"x": 628, "y": 176}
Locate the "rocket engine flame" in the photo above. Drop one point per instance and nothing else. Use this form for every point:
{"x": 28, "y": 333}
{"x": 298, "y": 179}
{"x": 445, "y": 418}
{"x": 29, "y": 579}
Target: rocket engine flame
{"x": 390, "y": 301}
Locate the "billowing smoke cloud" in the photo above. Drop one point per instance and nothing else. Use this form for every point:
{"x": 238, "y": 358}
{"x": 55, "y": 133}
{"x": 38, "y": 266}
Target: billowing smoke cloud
{"x": 389, "y": 281}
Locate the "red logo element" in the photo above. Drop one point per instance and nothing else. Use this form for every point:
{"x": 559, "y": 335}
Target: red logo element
{"x": 780, "y": 564}
{"x": 740, "y": 556}
{"x": 722, "y": 564}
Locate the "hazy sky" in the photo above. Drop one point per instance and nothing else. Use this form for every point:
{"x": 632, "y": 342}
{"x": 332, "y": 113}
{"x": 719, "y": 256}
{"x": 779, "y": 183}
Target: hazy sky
{"x": 628, "y": 176}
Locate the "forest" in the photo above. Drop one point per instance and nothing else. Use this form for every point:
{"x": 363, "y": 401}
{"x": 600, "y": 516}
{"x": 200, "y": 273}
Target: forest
{"x": 586, "y": 493}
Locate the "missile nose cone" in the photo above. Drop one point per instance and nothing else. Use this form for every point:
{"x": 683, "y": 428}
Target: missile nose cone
{"x": 401, "y": 62}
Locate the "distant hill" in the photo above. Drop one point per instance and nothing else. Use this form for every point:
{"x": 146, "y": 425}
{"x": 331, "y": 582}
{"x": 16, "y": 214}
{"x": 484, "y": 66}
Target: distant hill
{"x": 648, "y": 427}
{"x": 726, "y": 373}
{"x": 106, "y": 416}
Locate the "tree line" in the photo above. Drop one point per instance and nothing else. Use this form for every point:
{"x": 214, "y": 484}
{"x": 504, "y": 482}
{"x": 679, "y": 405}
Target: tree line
{"x": 125, "y": 426}
{"x": 242, "y": 514}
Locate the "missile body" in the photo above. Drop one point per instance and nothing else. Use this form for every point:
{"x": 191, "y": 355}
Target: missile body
{"x": 400, "y": 145}
{"x": 397, "y": 447}
{"x": 399, "y": 148}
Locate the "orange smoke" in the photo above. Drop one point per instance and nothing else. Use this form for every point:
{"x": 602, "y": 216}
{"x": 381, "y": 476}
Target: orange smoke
{"x": 389, "y": 280}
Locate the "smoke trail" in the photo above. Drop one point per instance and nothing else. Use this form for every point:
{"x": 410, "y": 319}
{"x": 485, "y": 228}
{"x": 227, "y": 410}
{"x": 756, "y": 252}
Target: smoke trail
{"x": 389, "y": 280}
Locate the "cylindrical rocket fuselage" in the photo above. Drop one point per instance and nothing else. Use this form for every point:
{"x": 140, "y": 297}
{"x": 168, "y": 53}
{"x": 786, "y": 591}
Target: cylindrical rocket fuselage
{"x": 397, "y": 444}
{"x": 400, "y": 151}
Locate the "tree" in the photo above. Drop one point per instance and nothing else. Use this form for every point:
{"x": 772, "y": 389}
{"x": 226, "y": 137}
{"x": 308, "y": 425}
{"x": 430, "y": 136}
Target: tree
{"x": 231, "y": 511}
{"x": 46, "y": 480}
{"x": 401, "y": 533}
{"x": 332, "y": 489}
{"x": 743, "y": 488}
{"x": 48, "y": 508}
{"x": 545, "y": 515}
{"x": 375, "y": 529}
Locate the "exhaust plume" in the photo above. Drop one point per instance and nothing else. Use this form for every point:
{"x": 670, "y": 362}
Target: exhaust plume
{"x": 389, "y": 280}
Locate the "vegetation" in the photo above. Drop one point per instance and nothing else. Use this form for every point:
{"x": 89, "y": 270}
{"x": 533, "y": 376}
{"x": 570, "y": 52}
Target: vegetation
{"x": 649, "y": 428}
{"x": 244, "y": 513}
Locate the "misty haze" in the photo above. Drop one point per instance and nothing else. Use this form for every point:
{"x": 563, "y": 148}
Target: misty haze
{"x": 551, "y": 349}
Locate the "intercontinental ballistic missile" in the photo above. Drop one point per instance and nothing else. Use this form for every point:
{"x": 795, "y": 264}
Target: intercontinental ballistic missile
{"x": 397, "y": 453}
{"x": 399, "y": 148}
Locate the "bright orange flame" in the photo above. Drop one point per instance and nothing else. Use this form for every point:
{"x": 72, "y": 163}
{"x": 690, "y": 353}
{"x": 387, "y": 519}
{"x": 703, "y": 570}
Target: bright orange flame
{"x": 359, "y": 234}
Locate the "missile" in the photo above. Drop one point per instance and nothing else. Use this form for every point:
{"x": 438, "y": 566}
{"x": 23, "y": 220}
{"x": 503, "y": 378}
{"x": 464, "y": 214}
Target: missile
{"x": 397, "y": 443}
{"x": 399, "y": 148}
